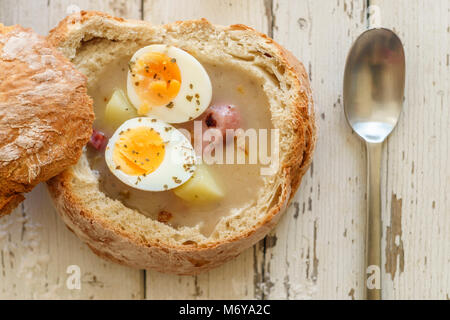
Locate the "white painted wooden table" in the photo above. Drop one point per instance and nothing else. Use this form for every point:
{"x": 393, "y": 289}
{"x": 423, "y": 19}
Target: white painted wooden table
{"x": 317, "y": 249}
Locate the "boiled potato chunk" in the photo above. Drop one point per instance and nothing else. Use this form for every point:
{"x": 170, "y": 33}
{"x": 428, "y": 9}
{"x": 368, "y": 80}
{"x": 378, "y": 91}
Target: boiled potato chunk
{"x": 119, "y": 109}
{"x": 201, "y": 188}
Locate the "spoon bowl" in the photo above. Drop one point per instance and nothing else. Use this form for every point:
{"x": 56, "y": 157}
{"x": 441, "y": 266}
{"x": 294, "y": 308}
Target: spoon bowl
{"x": 374, "y": 82}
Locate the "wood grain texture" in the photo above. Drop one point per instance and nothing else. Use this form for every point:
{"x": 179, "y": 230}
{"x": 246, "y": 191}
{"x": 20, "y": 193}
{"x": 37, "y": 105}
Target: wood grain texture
{"x": 36, "y": 247}
{"x": 317, "y": 250}
{"x": 416, "y": 174}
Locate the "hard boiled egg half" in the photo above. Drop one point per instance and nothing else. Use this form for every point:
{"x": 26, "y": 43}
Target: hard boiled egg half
{"x": 168, "y": 83}
{"x": 149, "y": 154}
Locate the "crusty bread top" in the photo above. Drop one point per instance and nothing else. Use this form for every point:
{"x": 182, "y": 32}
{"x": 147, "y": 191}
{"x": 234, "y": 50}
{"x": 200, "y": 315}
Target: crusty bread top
{"x": 45, "y": 114}
{"x": 92, "y": 40}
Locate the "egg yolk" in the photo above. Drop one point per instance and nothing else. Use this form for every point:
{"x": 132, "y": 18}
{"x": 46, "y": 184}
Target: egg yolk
{"x": 156, "y": 80}
{"x": 138, "y": 151}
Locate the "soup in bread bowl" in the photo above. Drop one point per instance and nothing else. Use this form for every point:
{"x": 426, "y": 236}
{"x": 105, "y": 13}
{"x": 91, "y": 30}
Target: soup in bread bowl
{"x": 201, "y": 137}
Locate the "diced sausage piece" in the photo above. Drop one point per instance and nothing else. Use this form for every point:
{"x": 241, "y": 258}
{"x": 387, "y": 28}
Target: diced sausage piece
{"x": 98, "y": 140}
{"x": 222, "y": 117}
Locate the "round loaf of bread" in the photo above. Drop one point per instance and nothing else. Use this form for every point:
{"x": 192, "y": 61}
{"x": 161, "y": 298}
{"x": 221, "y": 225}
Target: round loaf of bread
{"x": 45, "y": 114}
{"x": 91, "y": 40}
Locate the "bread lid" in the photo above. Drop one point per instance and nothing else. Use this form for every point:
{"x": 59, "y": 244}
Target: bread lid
{"x": 46, "y": 115}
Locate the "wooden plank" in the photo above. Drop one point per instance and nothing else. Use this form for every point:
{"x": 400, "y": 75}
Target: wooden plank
{"x": 30, "y": 14}
{"x": 131, "y": 9}
{"x": 252, "y": 13}
{"x": 319, "y": 251}
{"x": 417, "y": 177}
{"x": 238, "y": 279}
{"x": 36, "y": 247}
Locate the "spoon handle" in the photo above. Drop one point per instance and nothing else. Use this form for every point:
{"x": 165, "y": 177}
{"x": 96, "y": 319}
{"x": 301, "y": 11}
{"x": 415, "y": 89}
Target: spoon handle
{"x": 373, "y": 222}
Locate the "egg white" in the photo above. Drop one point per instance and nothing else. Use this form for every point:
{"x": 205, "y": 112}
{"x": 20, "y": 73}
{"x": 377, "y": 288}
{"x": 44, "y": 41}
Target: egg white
{"x": 192, "y": 73}
{"x": 178, "y": 152}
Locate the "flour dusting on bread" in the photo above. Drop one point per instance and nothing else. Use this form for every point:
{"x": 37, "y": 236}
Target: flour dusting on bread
{"x": 45, "y": 113}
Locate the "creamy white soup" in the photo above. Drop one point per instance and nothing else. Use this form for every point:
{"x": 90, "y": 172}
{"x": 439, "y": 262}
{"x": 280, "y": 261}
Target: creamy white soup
{"x": 240, "y": 183}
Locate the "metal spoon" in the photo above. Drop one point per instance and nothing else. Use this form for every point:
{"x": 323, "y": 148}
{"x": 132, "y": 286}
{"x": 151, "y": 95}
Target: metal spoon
{"x": 374, "y": 82}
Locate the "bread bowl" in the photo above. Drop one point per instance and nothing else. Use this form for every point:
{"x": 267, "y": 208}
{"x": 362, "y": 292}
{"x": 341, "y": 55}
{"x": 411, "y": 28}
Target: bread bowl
{"x": 96, "y": 42}
{"x": 45, "y": 114}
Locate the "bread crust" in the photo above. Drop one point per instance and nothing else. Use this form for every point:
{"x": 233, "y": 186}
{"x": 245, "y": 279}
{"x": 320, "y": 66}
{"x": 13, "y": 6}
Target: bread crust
{"x": 123, "y": 246}
{"x": 9, "y": 203}
{"x": 45, "y": 113}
